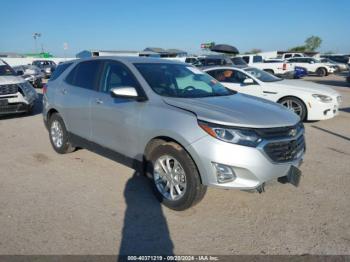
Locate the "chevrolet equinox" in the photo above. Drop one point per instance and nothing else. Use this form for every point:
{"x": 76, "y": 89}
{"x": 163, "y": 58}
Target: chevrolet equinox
{"x": 185, "y": 129}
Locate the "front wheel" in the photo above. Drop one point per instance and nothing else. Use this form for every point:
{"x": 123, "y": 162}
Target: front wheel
{"x": 295, "y": 105}
{"x": 321, "y": 72}
{"x": 176, "y": 180}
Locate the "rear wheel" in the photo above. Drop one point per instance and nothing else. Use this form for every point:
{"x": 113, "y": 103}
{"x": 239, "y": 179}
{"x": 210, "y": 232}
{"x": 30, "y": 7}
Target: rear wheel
{"x": 321, "y": 72}
{"x": 176, "y": 180}
{"x": 59, "y": 136}
{"x": 296, "y": 105}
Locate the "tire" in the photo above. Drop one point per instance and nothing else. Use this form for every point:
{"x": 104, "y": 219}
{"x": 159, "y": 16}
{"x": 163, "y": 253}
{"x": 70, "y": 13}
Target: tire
{"x": 321, "y": 72}
{"x": 58, "y": 131}
{"x": 186, "y": 176}
{"x": 290, "y": 101}
{"x": 269, "y": 71}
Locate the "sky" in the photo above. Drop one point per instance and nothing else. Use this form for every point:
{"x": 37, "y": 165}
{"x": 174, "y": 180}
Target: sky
{"x": 183, "y": 24}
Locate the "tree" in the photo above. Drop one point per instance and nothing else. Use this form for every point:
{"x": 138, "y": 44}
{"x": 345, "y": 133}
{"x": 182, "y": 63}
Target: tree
{"x": 253, "y": 51}
{"x": 300, "y": 48}
{"x": 312, "y": 43}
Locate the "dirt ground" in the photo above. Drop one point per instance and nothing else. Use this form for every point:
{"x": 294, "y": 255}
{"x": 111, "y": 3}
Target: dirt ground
{"x": 82, "y": 203}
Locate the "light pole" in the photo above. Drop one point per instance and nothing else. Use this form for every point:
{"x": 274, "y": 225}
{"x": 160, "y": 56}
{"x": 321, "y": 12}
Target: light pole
{"x": 36, "y": 36}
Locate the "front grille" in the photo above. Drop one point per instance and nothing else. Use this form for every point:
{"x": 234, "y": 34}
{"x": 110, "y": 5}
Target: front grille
{"x": 285, "y": 151}
{"x": 280, "y": 132}
{"x": 8, "y": 89}
{"x": 13, "y": 108}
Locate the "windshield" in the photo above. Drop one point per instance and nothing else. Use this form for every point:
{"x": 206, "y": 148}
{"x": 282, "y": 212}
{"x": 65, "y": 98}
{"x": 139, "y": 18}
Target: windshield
{"x": 177, "y": 80}
{"x": 6, "y": 70}
{"x": 262, "y": 75}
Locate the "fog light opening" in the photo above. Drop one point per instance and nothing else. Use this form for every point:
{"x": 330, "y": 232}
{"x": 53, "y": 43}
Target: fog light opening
{"x": 224, "y": 174}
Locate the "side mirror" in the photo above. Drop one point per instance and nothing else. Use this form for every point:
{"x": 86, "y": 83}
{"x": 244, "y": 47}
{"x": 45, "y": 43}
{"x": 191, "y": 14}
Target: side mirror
{"x": 311, "y": 62}
{"x": 20, "y": 73}
{"x": 248, "y": 81}
{"x": 126, "y": 92}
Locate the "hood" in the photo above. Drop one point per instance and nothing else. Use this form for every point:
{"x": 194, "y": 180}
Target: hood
{"x": 305, "y": 86}
{"x": 236, "y": 110}
{"x": 9, "y": 80}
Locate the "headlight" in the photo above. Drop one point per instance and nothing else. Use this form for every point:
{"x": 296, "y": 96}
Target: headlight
{"x": 244, "y": 137}
{"x": 322, "y": 98}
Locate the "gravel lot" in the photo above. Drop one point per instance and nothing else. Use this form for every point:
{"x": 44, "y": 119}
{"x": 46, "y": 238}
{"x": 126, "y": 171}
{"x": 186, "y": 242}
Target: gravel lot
{"x": 82, "y": 203}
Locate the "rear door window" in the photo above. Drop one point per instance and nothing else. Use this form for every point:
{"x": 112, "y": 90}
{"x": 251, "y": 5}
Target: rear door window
{"x": 85, "y": 75}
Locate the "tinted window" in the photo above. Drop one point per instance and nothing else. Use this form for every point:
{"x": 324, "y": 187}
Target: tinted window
{"x": 85, "y": 74}
{"x": 177, "y": 80}
{"x": 246, "y": 59}
{"x": 117, "y": 75}
{"x": 189, "y": 60}
{"x": 59, "y": 70}
{"x": 238, "y": 61}
{"x": 287, "y": 56}
{"x": 257, "y": 59}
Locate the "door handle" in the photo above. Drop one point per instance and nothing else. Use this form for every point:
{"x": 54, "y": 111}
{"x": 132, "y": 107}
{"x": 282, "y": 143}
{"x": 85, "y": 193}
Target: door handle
{"x": 64, "y": 91}
{"x": 98, "y": 101}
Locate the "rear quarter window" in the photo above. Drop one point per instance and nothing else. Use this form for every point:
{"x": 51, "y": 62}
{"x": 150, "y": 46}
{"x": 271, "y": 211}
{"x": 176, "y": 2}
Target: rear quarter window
{"x": 59, "y": 70}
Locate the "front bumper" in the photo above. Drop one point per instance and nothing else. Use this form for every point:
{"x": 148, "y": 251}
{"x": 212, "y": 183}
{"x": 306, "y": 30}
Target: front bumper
{"x": 16, "y": 104}
{"x": 252, "y": 167}
{"x": 322, "y": 111}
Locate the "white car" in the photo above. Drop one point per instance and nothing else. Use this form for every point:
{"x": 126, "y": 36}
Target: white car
{"x": 340, "y": 66}
{"x": 312, "y": 65}
{"x": 308, "y": 100}
{"x": 275, "y": 67}
{"x": 16, "y": 94}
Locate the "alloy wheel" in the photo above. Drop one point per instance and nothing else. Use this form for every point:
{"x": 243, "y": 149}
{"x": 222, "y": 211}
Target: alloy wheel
{"x": 56, "y": 132}
{"x": 293, "y": 106}
{"x": 170, "y": 177}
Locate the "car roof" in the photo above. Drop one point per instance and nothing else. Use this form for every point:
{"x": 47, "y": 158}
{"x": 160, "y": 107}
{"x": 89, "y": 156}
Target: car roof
{"x": 133, "y": 59}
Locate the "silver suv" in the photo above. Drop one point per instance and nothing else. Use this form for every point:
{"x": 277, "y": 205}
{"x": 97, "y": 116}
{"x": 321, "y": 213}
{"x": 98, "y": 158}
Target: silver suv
{"x": 180, "y": 125}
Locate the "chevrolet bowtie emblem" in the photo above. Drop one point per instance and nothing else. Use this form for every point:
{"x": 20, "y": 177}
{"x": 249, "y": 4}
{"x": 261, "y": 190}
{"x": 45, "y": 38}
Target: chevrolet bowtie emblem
{"x": 293, "y": 132}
